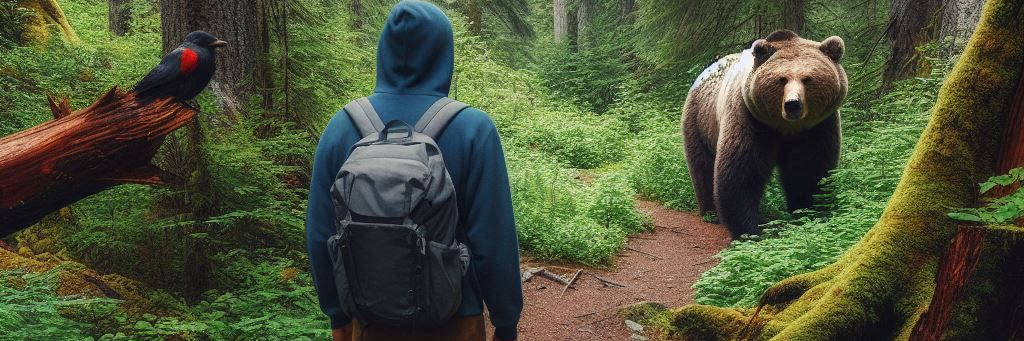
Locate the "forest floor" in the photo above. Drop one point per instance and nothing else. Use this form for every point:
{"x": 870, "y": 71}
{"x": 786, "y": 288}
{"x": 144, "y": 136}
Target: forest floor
{"x": 660, "y": 266}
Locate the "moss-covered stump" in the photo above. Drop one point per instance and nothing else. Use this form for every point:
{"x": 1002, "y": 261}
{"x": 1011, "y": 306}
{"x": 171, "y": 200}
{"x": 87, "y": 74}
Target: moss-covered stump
{"x": 881, "y": 287}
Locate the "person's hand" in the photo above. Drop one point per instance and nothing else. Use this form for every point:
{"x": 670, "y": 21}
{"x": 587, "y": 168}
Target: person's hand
{"x": 342, "y": 334}
{"x": 495, "y": 338}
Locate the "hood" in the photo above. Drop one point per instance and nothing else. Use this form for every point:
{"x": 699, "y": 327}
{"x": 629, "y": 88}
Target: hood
{"x": 416, "y": 52}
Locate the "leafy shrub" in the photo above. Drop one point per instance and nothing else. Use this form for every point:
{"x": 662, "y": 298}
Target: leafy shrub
{"x": 656, "y": 168}
{"x": 552, "y": 212}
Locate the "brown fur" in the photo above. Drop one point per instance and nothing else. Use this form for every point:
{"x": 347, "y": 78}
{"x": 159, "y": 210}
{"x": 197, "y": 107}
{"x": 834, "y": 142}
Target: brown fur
{"x": 737, "y": 125}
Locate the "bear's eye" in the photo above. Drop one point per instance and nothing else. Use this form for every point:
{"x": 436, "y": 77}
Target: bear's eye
{"x": 807, "y": 80}
{"x": 783, "y": 80}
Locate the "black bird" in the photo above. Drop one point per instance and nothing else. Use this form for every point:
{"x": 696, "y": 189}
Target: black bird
{"x": 184, "y": 72}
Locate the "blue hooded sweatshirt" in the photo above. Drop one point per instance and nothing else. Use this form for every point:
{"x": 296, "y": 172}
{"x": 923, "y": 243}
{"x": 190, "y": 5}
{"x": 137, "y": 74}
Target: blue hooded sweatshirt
{"x": 415, "y": 62}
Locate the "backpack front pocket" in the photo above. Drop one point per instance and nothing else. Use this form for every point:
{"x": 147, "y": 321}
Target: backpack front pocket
{"x": 383, "y": 262}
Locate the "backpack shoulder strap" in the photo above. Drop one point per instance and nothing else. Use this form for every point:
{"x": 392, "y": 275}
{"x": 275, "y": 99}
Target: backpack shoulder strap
{"x": 436, "y": 118}
{"x": 364, "y": 117}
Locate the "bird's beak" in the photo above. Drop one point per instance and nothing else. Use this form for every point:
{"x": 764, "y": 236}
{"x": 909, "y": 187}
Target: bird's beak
{"x": 218, "y": 43}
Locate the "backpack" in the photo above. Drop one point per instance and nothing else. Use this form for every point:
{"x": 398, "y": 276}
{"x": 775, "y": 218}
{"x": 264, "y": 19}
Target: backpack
{"x": 398, "y": 261}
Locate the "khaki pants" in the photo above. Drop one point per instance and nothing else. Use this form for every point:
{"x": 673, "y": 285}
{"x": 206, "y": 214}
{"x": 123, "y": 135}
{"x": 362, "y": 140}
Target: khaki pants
{"x": 469, "y": 328}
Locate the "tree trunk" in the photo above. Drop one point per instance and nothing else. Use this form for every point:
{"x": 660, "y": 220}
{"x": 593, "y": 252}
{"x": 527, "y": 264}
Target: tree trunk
{"x": 561, "y": 14}
{"x": 118, "y": 16}
{"x": 911, "y": 24}
{"x": 242, "y": 72}
{"x": 356, "y": 6}
{"x": 882, "y": 286}
{"x": 627, "y": 7}
{"x": 57, "y": 163}
{"x": 959, "y": 17}
{"x": 793, "y": 15}
{"x": 234, "y": 21}
{"x": 48, "y": 14}
{"x": 583, "y": 16}
{"x": 475, "y": 14}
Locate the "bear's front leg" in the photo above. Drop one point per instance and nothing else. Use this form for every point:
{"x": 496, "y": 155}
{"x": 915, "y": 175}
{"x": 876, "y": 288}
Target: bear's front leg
{"x": 743, "y": 165}
{"x": 806, "y": 159}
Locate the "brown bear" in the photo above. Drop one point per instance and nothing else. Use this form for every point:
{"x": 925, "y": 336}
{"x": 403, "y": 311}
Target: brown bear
{"x": 776, "y": 103}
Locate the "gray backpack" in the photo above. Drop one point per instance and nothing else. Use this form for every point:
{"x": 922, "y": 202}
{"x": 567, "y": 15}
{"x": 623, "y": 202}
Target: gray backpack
{"x": 398, "y": 262}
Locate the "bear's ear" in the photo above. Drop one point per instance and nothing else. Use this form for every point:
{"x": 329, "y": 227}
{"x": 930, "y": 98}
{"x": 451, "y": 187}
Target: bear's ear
{"x": 762, "y": 51}
{"x": 833, "y": 47}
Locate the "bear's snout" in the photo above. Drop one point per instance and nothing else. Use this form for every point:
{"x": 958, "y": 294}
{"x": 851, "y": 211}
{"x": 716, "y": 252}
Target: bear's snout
{"x": 794, "y": 109}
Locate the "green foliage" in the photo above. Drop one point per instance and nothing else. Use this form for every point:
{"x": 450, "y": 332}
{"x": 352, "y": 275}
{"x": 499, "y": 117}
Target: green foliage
{"x": 877, "y": 142}
{"x": 657, "y": 168}
{"x": 591, "y": 77}
{"x": 996, "y": 211}
{"x": 272, "y": 300}
{"x": 13, "y": 24}
{"x": 29, "y": 309}
{"x": 559, "y": 218}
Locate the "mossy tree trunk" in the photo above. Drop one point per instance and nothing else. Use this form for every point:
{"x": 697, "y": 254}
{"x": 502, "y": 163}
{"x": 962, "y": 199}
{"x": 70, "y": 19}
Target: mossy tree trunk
{"x": 881, "y": 288}
{"x": 48, "y": 14}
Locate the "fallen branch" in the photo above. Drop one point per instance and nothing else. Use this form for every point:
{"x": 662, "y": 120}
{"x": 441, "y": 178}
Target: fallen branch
{"x": 609, "y": 282}
{"x": 641, "y": 252}
{"x": 81, "y": 153}
{"x": 571, "y": 281}
{"x": 546, "y": 274}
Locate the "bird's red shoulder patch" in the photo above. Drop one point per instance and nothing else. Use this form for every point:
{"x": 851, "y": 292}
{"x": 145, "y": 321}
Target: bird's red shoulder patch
{"x": 189, "y": 61}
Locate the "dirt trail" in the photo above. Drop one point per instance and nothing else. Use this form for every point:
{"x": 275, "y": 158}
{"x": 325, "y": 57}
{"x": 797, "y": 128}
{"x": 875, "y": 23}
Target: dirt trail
{"x": 677, "y": 252}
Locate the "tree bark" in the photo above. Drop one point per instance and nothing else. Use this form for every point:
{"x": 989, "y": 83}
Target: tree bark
{"x": 57, "y": 163}
{"x": 882, "y": 286}
{"x": 561, "y": 14}
{"x": 118, "y": 16}
{"x": 959, "y": 17}
{"x": 911, "y": 24}
{"x": 793, "y": 13}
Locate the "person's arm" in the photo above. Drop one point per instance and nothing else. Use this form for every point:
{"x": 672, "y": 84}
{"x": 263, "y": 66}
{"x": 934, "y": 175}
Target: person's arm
{"x": 320, "y": 217}
{"x": 491, "y": 230}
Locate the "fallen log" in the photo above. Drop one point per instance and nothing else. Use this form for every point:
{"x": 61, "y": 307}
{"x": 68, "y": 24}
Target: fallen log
{"x": 81, "y": 153}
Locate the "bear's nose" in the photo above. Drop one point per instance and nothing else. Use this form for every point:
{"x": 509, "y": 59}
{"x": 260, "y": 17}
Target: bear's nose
{"x": 793, "y": 109}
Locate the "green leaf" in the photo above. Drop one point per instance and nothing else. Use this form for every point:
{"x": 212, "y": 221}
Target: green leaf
{"x": 962, "y": 216}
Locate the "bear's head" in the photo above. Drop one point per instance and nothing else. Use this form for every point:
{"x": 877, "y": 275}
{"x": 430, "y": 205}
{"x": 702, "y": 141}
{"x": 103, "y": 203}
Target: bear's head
{"x": 795, "y": 83}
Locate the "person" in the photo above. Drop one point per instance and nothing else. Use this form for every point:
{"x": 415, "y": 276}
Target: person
{"x": 415, "y": 63}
